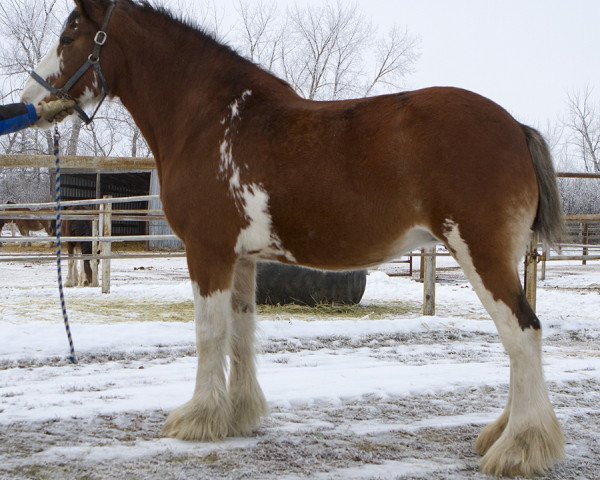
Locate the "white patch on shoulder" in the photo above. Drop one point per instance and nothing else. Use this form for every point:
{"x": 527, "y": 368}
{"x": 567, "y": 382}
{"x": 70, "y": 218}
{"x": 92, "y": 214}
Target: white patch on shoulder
{"x": 49, "y": 68}
{"x": 228, "y": 167}
{"x": 252, "y": 200}
{"x": 258, "y": 237}
{"x": 235, "y": 106}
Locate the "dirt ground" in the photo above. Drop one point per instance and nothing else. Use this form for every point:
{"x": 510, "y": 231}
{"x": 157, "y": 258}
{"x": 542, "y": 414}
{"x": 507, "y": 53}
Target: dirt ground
{"x": 378, "y": 435}
{"x": 375, "y": 437}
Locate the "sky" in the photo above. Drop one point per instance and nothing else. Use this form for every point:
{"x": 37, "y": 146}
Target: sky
{"x": 524, "y": 54}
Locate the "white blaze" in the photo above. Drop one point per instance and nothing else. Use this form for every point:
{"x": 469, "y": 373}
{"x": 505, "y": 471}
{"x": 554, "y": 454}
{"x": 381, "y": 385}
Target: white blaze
{"x": 49, "y": 68}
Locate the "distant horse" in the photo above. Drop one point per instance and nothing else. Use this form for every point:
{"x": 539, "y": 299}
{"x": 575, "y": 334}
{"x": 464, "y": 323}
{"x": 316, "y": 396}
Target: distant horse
{"x": 27, "y": 226}
{"x": 88, "y": 275}
{"x": 249, "y": 171}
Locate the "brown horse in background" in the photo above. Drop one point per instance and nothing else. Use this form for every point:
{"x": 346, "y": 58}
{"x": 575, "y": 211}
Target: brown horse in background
{"x": 251, "y": 171}
{"x": 27, "y": 226}
{"x": 87, "y": 276}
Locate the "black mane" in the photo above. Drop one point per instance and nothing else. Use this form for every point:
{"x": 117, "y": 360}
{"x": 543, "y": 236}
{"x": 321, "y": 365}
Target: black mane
{"x": 187, "y": 24}
{"x": 209, "y": 39}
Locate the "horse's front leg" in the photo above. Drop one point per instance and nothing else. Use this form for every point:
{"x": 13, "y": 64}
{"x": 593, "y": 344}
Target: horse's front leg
{"x": 207, "y": 416}
{"x": 248, "y": 401}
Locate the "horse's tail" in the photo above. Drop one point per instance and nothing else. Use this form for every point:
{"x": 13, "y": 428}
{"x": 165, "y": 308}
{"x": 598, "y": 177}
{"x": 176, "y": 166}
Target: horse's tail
{"x": 549, "y": 221}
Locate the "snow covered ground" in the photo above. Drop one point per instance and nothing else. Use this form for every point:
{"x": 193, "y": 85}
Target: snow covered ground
{"x": 397, "y": 397}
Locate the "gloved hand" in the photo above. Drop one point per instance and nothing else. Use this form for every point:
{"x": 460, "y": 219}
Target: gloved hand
{"x": 55, "y": 111}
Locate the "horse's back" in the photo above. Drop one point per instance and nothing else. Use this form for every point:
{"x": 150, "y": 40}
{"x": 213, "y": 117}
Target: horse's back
{"x": 377, "y": 169}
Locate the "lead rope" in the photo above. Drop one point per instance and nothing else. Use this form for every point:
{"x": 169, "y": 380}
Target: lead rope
{"x": 72, "y": 358}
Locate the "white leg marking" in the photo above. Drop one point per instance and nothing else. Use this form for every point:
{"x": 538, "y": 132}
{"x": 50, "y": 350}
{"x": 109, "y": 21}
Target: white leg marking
{"x": 532, "y": 440}
{"x": 72, "y": 275}
{"x": 82, "y": 279}
{"x": 207, "y": 415}
{"x": 248, "y": 400}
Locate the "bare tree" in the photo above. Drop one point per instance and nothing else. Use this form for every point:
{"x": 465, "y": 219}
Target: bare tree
{"x": 328, "y": 51}
{"x": 26, "y": 28}
{"x": 324, "y": 49}
{"x": 396, "y": 56}
{"x": 554, "y": 133}
{"x": 261, "y": 32}
{"x": 583, "y": 124}
{"x": 204, "y": 13}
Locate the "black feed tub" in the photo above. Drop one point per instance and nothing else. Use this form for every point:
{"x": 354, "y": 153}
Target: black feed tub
{"x": 279, "y": 284}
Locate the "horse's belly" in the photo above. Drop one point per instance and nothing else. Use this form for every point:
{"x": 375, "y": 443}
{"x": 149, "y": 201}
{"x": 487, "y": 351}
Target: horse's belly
{"x": 348, "y": 253}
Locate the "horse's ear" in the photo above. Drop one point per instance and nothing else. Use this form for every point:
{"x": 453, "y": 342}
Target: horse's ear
{"x": 93, "y": 10}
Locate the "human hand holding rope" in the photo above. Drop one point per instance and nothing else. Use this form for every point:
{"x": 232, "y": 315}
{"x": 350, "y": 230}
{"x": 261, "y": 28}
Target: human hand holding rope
{"x": 56, "y": 110}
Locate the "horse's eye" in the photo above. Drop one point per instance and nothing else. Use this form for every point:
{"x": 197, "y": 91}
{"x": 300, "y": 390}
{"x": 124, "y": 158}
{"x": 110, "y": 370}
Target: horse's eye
{"x": 64, "y": 40}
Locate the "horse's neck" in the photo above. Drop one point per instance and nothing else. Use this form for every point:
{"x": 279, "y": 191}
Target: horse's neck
{"x": 177, "y": 85}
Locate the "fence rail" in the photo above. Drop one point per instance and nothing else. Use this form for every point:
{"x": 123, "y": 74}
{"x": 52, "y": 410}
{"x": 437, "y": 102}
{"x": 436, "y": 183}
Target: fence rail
{"x": 92, "y": 164}
{"x": 104, "y": 215}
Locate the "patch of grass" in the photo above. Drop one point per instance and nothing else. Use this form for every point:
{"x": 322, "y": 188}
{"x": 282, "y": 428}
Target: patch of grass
{"x": 211, "y": 458}
{"x": 374, "y": 312}
{"x": 121, "y": 310}
{"x": 128, "y": 311}
{"x": 125, "y": 310}
{"x": 7, "y": 248}
{"x": 33, "y": 472}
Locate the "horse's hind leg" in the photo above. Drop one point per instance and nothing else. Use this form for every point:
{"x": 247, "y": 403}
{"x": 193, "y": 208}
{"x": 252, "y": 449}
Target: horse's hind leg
{"x": 72, "y": 267}
{"x": 248, "y": 401}
{"x": 87, "y": 273}
{"x": 207, "y": 416}
{"x": 527, "y": 438}
{"x": 492, "y": 432}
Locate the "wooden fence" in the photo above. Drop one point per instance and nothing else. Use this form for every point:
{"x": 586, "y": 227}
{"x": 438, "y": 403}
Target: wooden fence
{"x": 105, "y": 215}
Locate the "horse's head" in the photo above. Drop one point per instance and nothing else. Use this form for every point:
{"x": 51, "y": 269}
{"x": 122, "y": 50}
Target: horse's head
{"x": 79, "y": 65}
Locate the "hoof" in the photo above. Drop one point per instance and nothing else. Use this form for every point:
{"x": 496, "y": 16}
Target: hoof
{"x": 490, "y": 434}
{"x": 248, "y": 409}
{"x": 199, "y": 420}
{"x": 528, "y": 453}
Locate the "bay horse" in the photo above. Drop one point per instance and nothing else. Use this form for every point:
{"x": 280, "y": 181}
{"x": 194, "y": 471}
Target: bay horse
{"x": 88, "y": 275}
{"x": 26, "y": 226}
{"x": 250, "y": 171}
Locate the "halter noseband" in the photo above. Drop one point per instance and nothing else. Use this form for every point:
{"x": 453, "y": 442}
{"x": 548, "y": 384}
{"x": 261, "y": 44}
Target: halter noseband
{"x": 93, "y": 61}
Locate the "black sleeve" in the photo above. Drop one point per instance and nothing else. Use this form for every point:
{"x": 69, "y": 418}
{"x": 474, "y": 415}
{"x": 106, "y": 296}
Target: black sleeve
{"x": 13, "y": 110}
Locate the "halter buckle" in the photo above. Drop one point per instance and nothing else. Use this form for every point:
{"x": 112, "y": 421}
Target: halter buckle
{"x": 100, "y": 38}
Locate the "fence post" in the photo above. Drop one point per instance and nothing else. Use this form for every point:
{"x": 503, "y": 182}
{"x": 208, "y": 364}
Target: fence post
{"x": 545, "y": 254}
{"x": 106, "y": 247}
{"x": 94, "y": 263}
{"x": 531, "y": 261}
{"x": 428, "y": 263}
{"x": 586, "y": 241}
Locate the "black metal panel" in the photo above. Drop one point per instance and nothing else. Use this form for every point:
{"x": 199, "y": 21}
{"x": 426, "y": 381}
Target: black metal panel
{"x": 82, "y": 186}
